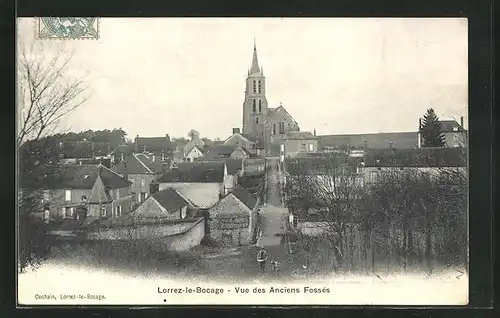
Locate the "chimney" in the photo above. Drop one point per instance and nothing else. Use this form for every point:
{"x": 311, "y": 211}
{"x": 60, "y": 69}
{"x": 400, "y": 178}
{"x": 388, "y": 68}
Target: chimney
{"x": 462, "y": 121}
{"x": 314, "y": 132}
{"x": 162, "y": 155}
{"x": 365, "y": 144}
{"x": 391, "y": 145}
{"x": 236, "y": 131}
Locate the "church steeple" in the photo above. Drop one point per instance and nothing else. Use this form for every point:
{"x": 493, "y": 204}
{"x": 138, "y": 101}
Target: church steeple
{"x": 255, "y": 62}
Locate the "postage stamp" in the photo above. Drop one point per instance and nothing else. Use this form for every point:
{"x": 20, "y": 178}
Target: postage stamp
{"x": 67, "y": 28}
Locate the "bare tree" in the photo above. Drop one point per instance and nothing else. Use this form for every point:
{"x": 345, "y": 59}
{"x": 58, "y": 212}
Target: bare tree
{"x": 332, "y": 187}
{"x": 47, "y": 90}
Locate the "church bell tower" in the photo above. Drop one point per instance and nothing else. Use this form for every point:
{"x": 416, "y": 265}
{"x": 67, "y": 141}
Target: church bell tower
{"x": 255, "y": 104}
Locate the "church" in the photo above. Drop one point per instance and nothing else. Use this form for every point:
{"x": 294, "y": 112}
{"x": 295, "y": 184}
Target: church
{"x": 264, "y": 125}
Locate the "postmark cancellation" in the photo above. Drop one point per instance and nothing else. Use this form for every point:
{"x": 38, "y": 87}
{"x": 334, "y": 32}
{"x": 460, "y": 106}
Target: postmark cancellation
{"x": 71, "y": 28}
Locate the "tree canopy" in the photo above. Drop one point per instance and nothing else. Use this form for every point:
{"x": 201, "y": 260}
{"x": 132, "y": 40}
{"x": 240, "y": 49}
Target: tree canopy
{"x": 430, "y": 130}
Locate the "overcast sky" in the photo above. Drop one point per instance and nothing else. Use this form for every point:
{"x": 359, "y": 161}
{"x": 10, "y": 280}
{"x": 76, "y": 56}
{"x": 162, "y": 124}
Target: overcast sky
{"x": 162, "y": 75}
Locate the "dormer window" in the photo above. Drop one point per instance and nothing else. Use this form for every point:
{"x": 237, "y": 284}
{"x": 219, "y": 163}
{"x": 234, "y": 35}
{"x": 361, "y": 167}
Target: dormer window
{"x": 455, "y": 128}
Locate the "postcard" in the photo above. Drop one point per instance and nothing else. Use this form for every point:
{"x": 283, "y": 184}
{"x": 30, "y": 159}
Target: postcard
{"x": 242, "y": 161}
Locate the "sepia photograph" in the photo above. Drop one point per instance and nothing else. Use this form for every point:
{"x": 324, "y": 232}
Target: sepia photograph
{"x": 242, "y": 161}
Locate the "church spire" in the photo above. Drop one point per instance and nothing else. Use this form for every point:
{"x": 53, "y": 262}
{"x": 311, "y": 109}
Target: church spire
{"x": 255, "y": 62}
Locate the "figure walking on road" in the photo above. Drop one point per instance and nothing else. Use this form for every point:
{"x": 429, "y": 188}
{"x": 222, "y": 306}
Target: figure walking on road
{"x": 262, "y": 258}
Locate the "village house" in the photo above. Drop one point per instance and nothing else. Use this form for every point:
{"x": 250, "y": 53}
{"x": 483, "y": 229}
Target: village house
{"x": 194, "y": 154}
{"x": 238, "y": 140}
{"x": 168, "y": 204}
{"x": 454, "y": 133}
{"x": 121, "y": 152}
{"x": 254, "y": 167}
{"x": 141, "y": 172}
{"x": 435, "y": 162}
{"x": 157, "y": 148}
{"x": 95, "y": 188}
{"x": 195, "y": 142}
{"x": 232, "y": 220}
{"x": 225, "y": 152}
{"x": 295, "y": 143}
{"x": 202, "y": 183}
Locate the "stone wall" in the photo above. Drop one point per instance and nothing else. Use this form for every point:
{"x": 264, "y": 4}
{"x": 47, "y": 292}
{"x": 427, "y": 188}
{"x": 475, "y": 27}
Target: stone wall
{"x": 177, "y": 235}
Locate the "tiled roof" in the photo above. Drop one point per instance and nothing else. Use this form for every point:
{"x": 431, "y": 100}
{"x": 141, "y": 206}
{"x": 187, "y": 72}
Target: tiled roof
{"x": 233, "y": 165}
{"x": 419, "y": 157}
{"x": 192, "y": 143}
{"x": 127, "y": 150}
{"x": 156, "y": 166}
{"x": 279, "y": 113}
{"x": 132, "y": 165}
{"x": 219, "y": 152}
{"x": 156, "y": 145}
{"x": 195, "y": 172}
{"x": 85, "y": 176}
{"x": 448, "y": 126}
{"x": 170, "y": 199}
{"x": 238, "y": 135}
{"x": 244, "y": 196}
{"x": 230, "y": 209}
{"x": 401, "y": 140}
{"x": 201, "y": 149}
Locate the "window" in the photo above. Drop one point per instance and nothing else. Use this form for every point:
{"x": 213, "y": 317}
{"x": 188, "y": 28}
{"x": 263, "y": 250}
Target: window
{"x": 281, "y": 128}
{"x": 68, "y": 212}
{"x": 68, "y": 195}
{"x": 274, "y": 129}
{"x": 118, "y": 211}
{"x": 260, "y": 105}
{"x": 455, "y": 128}
{"x": 254, "y": 107}
{"x": 311, "y": 147}
{"x": 143, "y": 183}
{"x": 259, "y": 87}
{"x": 254, "y": 90}
{"x": 373, "y": 176}
{"x": 282, "y": 148}
{"x": 256, "y": 120}
{"x": 103, "y": 210}
{"x": 138, "y": 197}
